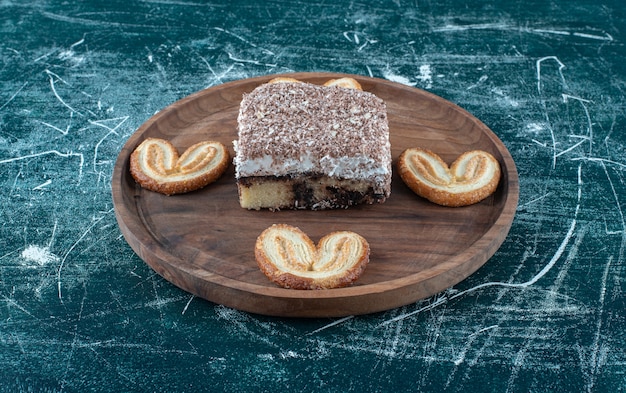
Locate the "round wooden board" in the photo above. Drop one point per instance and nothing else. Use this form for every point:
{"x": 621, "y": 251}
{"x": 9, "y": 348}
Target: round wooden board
{"x": 203, "y": 241}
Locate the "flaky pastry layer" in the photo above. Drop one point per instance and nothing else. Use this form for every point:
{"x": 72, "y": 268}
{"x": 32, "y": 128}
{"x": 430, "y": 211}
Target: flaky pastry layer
{"x": 472, "y": 177}
{"x": 156, "y": 165}
{"x": 289, "y": 258}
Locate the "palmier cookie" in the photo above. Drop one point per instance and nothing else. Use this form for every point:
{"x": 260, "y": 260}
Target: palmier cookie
{"x": 156, "y": 166}
{"x": 346, "y": 82}
{"x": 289, "y": 258}
{"x": 472, "y": 177}
{"x": 283, "y": 79}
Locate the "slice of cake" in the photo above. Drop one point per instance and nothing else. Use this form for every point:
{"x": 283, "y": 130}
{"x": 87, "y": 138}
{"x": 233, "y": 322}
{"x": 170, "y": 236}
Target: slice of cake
{"x": 306, "y": 146}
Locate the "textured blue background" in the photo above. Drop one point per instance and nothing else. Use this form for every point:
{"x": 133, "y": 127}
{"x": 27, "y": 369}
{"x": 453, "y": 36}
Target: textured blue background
{"x": 80, "y": 311}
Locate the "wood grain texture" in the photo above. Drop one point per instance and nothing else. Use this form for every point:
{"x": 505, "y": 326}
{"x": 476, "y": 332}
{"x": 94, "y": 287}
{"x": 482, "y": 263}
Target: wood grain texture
{"x": 203, "y": 241}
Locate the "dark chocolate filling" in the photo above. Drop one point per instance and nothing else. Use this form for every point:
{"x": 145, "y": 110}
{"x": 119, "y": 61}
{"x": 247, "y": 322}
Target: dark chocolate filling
{"x": 304, "y": 196}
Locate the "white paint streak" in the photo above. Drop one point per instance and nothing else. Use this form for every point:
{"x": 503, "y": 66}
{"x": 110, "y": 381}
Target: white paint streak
{"x": 535, "y": 127}
{"x": 337, "y": 322}
{"x": 73, "y": 246}
{"x": 574, "y": 146}
{"x": 478, "y": 26}
{"x": 532, "y": 201}
{"x": 426, "y": 75}
{"x": 187, "y": 305}
{"x": 13, "y": 96}
{"x": 600, "y": 160}
{"x": 605, "y": 37}
{"x": 583, "y": 103}
{"x": 43, "y": 185}
{"x": 118, "y": 121}
{"x": 597, "y": 350}
{"x": 504, "y": 98}
{"x": 58, "y": 153}
{"x": 397, "y": 78}
{"x": 64, "y": 132}
{"x": 480, "y": 81}
{"x": 436, "y": 303}
{"x": 255, "y": 62}
{"x": 460, "y": 358}
{"x": 40, "y": 255}
{"x": 54, "y": 91}
{"x": 508, "y": 27}
{"x": 538, "y": 66}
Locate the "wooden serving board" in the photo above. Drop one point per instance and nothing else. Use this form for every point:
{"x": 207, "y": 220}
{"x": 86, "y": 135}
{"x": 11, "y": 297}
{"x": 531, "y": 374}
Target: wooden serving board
{"x": 203, "y": 241}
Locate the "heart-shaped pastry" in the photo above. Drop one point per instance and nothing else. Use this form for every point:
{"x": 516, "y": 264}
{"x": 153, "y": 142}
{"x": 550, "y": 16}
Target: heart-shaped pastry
{"x": 346, "y": 82}
{"x": 156, "y": 166}
{"x": 284, "y": 79}
{"x": 289, "y": 258}
{"x": 472, "y": 177}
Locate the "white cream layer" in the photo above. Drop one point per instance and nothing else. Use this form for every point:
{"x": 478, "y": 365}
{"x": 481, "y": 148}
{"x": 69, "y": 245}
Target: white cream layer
{"x": 357, "y": 167}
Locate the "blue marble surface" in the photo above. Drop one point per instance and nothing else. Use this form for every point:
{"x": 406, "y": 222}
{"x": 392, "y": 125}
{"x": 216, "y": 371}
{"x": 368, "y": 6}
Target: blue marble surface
{"x": 79, "y": 311}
